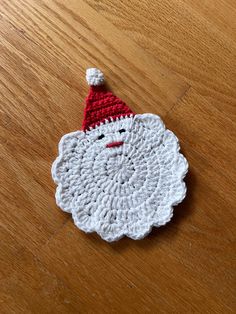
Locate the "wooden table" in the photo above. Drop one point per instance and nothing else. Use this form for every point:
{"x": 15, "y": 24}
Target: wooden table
{"x": 172, "y": 58}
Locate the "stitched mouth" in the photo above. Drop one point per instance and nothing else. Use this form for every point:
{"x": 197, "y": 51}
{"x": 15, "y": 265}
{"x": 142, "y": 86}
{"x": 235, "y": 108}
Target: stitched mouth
{"x": 114, "y": 144}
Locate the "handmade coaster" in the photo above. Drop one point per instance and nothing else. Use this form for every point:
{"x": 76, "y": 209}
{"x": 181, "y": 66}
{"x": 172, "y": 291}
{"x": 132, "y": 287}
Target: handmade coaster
{"x": 123, "y": 173}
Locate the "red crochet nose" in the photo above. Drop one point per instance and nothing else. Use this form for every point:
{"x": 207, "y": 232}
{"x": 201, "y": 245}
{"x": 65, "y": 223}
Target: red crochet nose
{"x": 114, "y": 144}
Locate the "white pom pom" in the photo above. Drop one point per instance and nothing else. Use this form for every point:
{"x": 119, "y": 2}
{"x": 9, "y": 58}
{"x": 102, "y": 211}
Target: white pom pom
{"x": 94, "y": 77}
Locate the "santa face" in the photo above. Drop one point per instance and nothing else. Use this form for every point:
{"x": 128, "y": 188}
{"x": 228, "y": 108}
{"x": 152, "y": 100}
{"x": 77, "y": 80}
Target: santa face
{"x": 120, "y": 178}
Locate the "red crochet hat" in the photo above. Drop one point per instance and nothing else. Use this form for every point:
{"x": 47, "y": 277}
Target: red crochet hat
{"x": 101, "y": 104}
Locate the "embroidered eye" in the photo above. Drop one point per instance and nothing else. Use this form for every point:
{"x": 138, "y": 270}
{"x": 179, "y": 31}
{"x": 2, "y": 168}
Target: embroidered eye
{"x": 101, "y": 136}
{"x": 122, "y": 130}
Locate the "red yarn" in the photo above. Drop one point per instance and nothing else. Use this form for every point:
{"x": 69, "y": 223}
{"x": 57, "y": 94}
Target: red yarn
{"x": 114, "y": 144}
{"x": 102, "y": 105}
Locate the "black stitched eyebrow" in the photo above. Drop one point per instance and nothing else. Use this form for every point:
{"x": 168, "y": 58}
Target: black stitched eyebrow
{"x": 101, "y": 136}
{"x": 122, "y": 130}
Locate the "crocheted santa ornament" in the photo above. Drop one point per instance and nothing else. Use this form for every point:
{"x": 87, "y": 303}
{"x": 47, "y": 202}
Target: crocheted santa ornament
{"x": 123, "y": 173}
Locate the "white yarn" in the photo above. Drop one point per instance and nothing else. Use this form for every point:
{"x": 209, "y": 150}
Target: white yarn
{"x": 94, "y": 77}
{"x": 123, "y": 190}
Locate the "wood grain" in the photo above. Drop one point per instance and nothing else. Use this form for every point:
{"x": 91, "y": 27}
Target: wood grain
{"x": 173, "y": 58}
{"x": 194, "y": 38}
{"x": 27, "y": 286}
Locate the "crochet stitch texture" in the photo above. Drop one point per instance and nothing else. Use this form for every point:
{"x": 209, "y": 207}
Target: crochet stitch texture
{"x": 122, "y": 176}
{"x": 101, "y": 104}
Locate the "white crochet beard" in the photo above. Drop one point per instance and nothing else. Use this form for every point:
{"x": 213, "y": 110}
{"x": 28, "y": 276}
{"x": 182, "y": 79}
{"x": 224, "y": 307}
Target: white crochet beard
{"x": 123, "y": 190}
